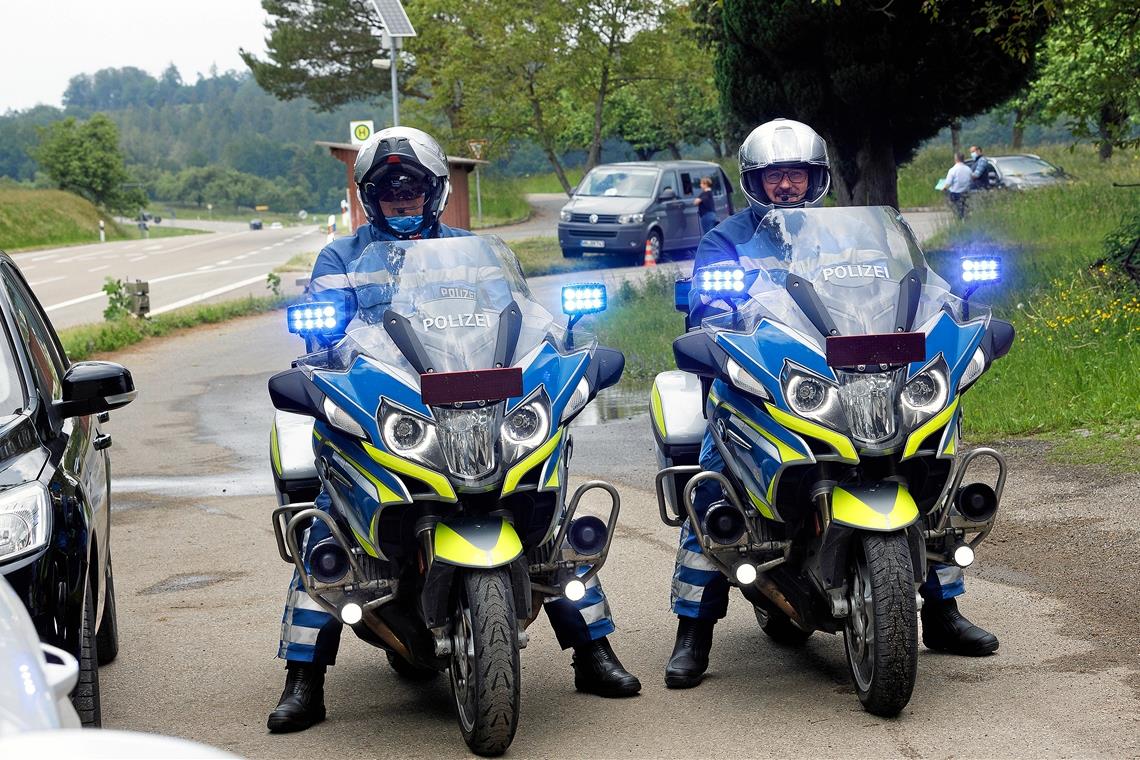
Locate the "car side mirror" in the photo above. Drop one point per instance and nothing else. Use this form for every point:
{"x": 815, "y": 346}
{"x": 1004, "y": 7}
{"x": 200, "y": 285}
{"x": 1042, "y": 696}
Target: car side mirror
{"x": 94, "y": 387}
{"x": 667, "y": 195}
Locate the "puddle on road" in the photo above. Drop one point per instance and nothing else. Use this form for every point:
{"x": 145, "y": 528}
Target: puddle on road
{"x": 188, "y": 582}
{"x": 617, "y": 403}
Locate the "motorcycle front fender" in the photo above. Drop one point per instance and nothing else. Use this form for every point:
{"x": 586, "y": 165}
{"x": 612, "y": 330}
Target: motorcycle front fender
{"x": 886, "y": 506}
{"x": 476, "y": 542}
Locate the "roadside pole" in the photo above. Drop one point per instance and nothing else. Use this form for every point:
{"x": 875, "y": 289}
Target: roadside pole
{"x": 476, "y": 148}
{"x": 102, "y": 232}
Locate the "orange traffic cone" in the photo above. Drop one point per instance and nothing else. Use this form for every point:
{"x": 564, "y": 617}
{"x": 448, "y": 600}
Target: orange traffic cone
{"x": 650, "y": 259}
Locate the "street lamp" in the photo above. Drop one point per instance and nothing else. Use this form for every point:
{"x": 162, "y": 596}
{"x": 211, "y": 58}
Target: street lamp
{"x": 396, "y": 25}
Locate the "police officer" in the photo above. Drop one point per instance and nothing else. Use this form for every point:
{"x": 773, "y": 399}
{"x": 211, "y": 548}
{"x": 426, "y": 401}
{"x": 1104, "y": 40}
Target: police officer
{"x": 403, "y": 182}
{"x": 783, "y": 164}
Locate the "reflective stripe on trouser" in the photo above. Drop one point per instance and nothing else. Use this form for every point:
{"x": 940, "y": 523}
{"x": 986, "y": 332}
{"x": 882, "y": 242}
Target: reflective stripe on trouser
{"x": 943, "y": 582}
{"x": 576, "y": 623}
{"x": 699, "y": 589}
{"x": 308, "y": 633}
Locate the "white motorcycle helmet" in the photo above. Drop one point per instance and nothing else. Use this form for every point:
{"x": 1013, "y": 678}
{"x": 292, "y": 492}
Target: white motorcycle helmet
{"x": 402, "y": 164}
{"x": 783, "y": 144}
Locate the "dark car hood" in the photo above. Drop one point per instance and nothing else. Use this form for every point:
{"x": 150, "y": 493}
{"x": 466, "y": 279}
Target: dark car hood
{"x": 22, "y": 457}
{"x": 602, "y": 204}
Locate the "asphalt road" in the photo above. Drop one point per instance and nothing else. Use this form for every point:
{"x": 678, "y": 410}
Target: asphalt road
{"x": 200, "y": 591}
{"x": 228, "y": 262}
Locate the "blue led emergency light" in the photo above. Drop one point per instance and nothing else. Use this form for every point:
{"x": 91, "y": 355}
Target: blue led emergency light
{"x": 720, "y": 280}
{"x": 981, "y": 269}
{"x": 583, "y": 298}
{"x": 314, "y": 319}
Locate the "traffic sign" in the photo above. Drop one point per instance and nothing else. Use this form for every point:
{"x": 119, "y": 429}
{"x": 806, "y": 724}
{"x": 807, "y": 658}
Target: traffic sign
{"x": 361, "y": 131}
{"x": 476, "y": 147}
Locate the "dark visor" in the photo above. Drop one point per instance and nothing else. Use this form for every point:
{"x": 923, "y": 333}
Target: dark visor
{"x": 397, "y": 182}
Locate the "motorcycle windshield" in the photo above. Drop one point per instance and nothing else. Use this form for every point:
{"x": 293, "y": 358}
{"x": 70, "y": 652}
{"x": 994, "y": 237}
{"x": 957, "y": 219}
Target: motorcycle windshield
{"x": 855, "y": 258}
{"x": 453, "y": 293}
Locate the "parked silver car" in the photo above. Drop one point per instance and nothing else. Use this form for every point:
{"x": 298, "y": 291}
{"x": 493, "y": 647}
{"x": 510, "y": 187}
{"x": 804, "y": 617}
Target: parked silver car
{"x": 630, "y": 207}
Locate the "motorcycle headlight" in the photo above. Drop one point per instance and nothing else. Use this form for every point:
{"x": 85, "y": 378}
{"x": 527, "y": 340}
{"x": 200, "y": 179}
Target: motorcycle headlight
{"x": 973, "y": 371}
{"x": 564, "y": 215}
{"x": 25, "y": 514}
{"x": 925, "y": 394}
{"x": 740, "y": 378}
{"x": 813, "y": 398}
{"x": 342, "y": 420}
{"x": 469, "y": 438}
{"x": 525, "y": 428}
{"x": 577, "y": 400}
{"x": 410, "y": 436}
{"x": 868, "y": 401}
{"x": 631, "y": 218}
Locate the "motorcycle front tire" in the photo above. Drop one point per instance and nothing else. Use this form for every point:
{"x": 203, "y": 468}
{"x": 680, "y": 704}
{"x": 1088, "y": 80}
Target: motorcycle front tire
{"x": 484, "y": 669}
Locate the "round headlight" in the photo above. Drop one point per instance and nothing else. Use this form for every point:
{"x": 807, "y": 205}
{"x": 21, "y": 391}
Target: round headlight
{"x": 522, "y": 425}
{"x": 407, "y": 432}
{"x": 809, "y": 395}
{"x": 564, "y": 215}
{"x": 920, "y": 391}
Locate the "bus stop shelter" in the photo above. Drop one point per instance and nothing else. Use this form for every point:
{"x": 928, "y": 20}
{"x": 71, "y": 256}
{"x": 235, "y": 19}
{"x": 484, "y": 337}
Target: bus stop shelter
{"x": 458, "y": 211}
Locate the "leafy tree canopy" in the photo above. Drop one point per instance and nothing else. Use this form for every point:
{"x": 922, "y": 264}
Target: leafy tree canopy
{"x": 875, "y": 80}
{"x": 84, "y": 158}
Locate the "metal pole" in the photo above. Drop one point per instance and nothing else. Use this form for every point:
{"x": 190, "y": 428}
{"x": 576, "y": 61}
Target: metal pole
{"x": 478, "y": 195}
{"x": 395, "y": 46}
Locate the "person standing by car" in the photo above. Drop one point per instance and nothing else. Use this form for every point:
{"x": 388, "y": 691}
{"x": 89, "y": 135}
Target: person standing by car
{"x": 957, "y": 184}
{"x": 783, "y": 164}
{"x": 403, "y": 182}
{"x": 981, "y": 169}
{"x": 706, "y": 206}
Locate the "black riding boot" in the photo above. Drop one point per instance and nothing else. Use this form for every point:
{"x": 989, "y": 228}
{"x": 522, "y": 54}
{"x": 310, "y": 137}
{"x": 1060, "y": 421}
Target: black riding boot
{"x": 303, "y": 701}
{"x": 690, "y": 658}
{"x": 597, "y": 670}
{"x": 945, "y": 629}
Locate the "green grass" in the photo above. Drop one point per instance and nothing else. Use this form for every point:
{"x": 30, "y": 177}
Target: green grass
{"x": 503, "y": 202}
{"x": 542, "y": 255}
{"x": 1076, "y": 362}
{"x": 88, "y": 340}
{"x": 232, "y": 214}
{"x": 302, "y": 262}
{"x": 38, "y": 218}
{"x": 132, "y": 232}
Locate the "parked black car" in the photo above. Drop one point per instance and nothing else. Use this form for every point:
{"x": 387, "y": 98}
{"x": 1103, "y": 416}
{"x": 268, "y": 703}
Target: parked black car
{"x": 55, "y": 489}
{"x": 1018, "y": 172}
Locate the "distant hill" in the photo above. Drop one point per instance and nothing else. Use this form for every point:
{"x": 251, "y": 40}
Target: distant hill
{"x": 224, "y": 121}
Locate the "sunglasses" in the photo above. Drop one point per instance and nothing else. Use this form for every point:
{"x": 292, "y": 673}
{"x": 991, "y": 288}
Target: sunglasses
{"x": 774, "y": 176}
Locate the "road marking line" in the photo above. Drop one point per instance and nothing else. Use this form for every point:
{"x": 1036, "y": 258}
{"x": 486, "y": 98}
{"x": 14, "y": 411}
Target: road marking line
{"x": 137, "y": 258}
{"x": 45, "y": 258}
{"x": 227, "y": 261}
{"x": 98, "y": 269}
{"x": 203, "y": 269}
{"x": 154, "y": 247}
{"x": 27, "y": 268}
{"x": 178, "y": 276}
{"x": 207, "y": 294}
{"x": 74, "y": 301}
{"x": 45, "y": 282}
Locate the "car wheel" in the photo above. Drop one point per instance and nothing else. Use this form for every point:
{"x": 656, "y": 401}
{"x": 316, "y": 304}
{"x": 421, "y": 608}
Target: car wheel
{"x": 107, "y": 638}
{"x": 86, "y": 694}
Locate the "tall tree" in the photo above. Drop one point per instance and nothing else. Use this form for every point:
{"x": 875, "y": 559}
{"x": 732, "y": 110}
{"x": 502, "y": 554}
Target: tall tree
{"x": 84, "y": 158}
{"x": 873, "y": 79}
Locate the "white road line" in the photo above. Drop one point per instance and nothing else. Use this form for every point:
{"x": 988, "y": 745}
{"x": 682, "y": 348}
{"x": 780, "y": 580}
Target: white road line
{"x": 208, "y": 294}
{"x": 75, "y": 301}
{"x": 225, "y": 262}
{"x": 153, "y": 247}
{"x": 99, "y": 269}
{"x": 28, "y": 268}
{"x": 45, "y": 258}
{"x": 45, "y": 282}
{"x": 137, "y": 258}
{"x": 203, "y": 269}
{"x": 178, "y": 276}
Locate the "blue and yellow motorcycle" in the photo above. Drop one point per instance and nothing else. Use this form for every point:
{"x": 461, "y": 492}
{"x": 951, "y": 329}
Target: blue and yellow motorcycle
{"x": 438, "y": 427}
{"x": 829, "y": 378}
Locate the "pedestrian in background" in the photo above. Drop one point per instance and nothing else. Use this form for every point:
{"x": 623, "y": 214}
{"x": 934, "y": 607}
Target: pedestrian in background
{"x": 706, "y": 206}
{"x": 957, "y": 184}
{"x": 982, "y": 168}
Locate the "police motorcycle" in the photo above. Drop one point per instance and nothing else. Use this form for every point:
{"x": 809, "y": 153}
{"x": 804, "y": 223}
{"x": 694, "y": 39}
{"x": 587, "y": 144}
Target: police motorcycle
{"x": 834, "y": 377}
{"x": 438, "y": 426}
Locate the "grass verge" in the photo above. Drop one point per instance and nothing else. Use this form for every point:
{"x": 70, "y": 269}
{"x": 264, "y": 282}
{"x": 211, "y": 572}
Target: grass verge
{"x": 87, "y": 340}
{"x": 543, "y": 255}
{"x": 504, "y": 202}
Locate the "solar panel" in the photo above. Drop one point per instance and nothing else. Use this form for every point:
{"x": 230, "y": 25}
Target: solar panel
{"x": 395, "y": 20}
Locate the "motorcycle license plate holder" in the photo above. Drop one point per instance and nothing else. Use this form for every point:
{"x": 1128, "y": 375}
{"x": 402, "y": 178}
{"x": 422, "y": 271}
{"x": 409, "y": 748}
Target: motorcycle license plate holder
{"x": 441, "y": 388}
{"x": 893, "y": 349}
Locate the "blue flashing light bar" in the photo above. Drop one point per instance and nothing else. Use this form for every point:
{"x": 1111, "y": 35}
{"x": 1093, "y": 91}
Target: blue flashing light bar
{"x": 583, "y": 298}
{"x": 981, "y": 269}
{"x": 314, "y": 319}
{"x": 720, "y": 280}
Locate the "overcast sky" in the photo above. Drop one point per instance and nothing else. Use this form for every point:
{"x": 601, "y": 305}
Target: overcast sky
{"x": 43, "y": 43}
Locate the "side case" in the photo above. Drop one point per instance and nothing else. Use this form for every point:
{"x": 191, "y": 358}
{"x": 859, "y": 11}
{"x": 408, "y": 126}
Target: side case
{"x": 291, "y": 451}
{"x": 678, "y": 426}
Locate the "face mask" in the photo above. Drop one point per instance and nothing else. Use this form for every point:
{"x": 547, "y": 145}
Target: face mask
{"x": 974, "y": 155}
{"x": 405, "y": 224}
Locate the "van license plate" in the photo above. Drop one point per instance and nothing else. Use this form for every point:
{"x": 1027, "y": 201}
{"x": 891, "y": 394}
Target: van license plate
{"x": 593, "y": 244}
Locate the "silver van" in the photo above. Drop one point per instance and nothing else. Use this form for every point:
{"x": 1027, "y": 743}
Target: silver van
{"x": 623, "y": 209}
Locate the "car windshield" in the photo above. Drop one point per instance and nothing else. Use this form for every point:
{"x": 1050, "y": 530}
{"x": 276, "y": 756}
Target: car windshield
{"x": 448, "y": 298}
{"x": 619, "y": 181}
{"x": 855, "y": 260}
{"x": 1020, "y": 166}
